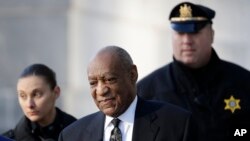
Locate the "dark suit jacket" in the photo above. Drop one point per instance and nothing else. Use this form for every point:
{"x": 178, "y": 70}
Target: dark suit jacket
{"x": 154, "y": 121}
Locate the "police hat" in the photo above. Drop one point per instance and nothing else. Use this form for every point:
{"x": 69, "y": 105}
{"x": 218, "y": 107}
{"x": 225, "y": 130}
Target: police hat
{"x": 190, "y": 18}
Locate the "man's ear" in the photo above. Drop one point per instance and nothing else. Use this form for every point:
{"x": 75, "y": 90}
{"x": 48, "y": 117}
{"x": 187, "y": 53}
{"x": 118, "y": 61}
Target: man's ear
{"x": 212, "y": 35}
{"x": 213, "y": 32}
{"x": 133, "y": 73}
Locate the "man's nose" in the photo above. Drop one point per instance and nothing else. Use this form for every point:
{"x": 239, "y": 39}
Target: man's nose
{"x": 101, "y": 89}
{"x": 187, "y": 37}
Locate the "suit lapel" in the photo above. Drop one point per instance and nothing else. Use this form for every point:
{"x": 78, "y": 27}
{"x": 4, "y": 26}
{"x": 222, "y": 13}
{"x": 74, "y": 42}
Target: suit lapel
{"x": 145, "y": 127}
{"x": 97, "y": 129}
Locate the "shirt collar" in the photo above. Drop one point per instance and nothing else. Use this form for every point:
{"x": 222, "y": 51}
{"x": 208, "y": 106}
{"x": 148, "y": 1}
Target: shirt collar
{"x": 127, "y": 116}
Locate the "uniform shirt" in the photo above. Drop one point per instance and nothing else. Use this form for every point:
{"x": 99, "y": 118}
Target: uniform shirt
{"x": 126, "y": 125}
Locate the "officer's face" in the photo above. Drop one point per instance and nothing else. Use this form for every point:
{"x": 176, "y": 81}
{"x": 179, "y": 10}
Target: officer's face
{"x": 193, "y": 49}
{"x": 37, "y": 99}
{"x": 112, "y": 86}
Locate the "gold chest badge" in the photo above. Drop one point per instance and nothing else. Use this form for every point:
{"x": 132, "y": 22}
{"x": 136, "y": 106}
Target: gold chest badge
{"x": 232, "y": 104}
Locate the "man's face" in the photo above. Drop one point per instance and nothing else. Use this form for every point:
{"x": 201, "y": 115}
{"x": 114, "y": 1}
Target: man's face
{"x": 193, "y": 49}
{"x": 112, "y": 85}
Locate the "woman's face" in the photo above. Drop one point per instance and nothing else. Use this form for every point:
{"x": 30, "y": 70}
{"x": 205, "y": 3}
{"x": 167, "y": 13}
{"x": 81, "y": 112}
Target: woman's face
{"x": 37, "y": 99}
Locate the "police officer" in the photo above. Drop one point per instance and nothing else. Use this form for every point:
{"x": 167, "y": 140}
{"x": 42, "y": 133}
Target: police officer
{"x": 216, "y": 91}
{"x": 37, "y": 93}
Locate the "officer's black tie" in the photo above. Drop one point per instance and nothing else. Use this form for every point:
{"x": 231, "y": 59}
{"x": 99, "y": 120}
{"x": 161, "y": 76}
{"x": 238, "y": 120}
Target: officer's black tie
{"x": 116, "y": 134}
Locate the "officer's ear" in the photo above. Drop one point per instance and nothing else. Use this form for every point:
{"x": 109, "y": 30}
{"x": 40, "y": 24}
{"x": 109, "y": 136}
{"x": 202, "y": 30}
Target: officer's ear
{"x": 212, "y": 34}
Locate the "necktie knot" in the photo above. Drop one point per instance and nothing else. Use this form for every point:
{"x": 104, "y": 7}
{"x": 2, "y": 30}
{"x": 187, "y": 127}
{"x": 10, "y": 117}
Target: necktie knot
{"x": 115, "y": 122}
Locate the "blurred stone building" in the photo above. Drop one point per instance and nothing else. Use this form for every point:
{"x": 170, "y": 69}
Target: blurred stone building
{"x": 64, "y": 34}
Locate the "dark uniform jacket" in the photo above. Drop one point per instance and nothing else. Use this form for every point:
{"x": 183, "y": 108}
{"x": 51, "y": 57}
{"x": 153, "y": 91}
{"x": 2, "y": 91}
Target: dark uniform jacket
{"x": 218, "y": 95}
{"x": 153, "y": 121}
{"x": 28, "y": 131}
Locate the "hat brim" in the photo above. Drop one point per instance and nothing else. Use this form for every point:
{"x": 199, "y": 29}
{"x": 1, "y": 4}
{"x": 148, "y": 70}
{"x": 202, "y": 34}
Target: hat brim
{"x": 188, "y": 27}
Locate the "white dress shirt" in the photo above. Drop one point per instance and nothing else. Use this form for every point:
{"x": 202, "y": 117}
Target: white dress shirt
{"x": 126, "y": 125}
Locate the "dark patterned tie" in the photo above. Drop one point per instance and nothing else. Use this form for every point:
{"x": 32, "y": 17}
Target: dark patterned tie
{"x": 116, "y": 134}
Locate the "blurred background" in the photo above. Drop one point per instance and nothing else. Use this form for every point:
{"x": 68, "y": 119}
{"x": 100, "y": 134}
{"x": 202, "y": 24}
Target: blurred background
{"x": 64, "y": 34}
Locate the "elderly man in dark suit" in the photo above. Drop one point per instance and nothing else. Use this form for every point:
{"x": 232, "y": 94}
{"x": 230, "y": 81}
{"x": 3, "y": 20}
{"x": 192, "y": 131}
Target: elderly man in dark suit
{"x": 112, "y": 77}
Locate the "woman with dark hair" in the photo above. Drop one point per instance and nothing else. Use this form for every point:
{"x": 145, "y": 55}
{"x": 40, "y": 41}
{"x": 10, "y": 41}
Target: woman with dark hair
{"x": 37, "y": 94}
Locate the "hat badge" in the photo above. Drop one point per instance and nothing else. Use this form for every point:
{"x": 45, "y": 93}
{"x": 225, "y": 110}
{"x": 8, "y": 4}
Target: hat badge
{"x": 232, "y": 104}
{"x": 185, "y": 11}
